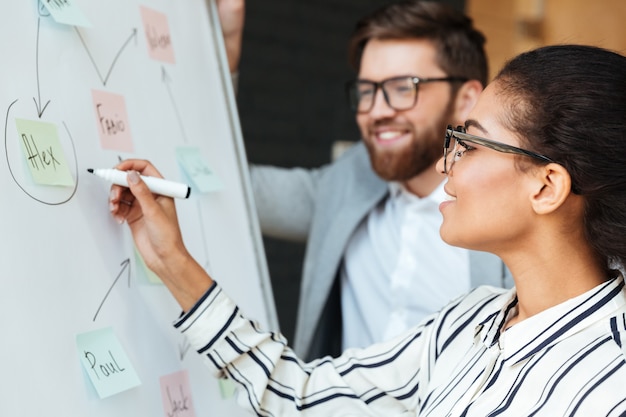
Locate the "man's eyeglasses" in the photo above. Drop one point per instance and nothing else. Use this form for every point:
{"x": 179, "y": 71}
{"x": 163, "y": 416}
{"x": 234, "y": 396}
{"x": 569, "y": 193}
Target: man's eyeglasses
{"x": 400, "y": 93}
{"x": 451, "y": 154}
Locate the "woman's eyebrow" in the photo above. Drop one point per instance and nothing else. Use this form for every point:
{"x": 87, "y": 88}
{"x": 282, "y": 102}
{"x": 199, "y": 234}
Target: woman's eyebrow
{"x": 474, "y": 123}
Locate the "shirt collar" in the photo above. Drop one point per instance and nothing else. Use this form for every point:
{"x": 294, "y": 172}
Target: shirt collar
{"x": 398, "y": 189}
{"x": 551, "y": 326}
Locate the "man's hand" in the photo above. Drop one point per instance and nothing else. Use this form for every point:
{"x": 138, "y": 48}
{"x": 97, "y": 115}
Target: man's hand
{"x": 231, "y": 14}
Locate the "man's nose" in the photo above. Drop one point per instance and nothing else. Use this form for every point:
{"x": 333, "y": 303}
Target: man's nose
{"x": 381, "y": 108}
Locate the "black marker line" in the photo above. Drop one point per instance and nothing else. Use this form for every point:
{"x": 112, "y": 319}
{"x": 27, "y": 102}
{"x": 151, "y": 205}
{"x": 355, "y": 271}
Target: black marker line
{"x": 6, "y": 152}
{"x": 40, "y": 110}
{"x": 117, "y": 55}
{"x": 184, "y": 348}
{"x": 125, "y": 263}
{"x": 207, "y": 265}
{"x": 167, "y": 80}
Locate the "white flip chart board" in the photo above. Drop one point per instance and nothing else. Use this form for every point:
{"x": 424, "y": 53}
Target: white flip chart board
{"x": 84, "y": 83}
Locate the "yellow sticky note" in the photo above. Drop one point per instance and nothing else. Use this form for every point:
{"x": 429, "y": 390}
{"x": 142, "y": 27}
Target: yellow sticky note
{"x": 106, "y": 362}
{"x": 43, "y": 152}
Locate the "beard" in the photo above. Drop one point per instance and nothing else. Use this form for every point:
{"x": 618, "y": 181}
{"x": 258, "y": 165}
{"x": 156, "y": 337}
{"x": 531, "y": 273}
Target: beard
{"x": 406, "y": 162}
{"x": 403, "y": 163}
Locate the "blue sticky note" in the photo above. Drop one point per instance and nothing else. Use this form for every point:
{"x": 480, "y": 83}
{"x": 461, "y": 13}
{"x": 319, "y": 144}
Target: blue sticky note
{"x": 197, "y": 170}
{"x": 66, "y": 12}
{"x": 106, "y": 362}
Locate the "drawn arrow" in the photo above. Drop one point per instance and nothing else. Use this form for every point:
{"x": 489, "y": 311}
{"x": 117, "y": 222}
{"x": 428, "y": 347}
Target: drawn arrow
{"x": 183, "y": 349}
{"x": 125, "y": 266}
{"x": 37, "y": 100}
{"x": 105, "y": 79}
{"x": 207, "y": 264}
{"x": 167, "y": 81}
{"x": 6, "y": 150}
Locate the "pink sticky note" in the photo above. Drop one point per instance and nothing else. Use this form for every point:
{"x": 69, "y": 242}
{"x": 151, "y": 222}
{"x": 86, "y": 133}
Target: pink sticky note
{"x": 176, "y": 395}
{"x": 158, "y": 35}
{"x": 112, "y": 121}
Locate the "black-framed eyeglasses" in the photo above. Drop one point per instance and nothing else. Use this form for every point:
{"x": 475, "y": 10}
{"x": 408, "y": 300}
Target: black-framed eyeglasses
{"x": 461, "y": 140}
{"x": 400, "y": 93}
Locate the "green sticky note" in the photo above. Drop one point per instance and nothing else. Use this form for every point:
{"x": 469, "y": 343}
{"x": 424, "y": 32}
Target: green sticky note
{"x": 43, "y": 153}
{"x": 197, "y": 170}
{"x": 106, "y": 362}
{"x": 227, "y": 388}
{"x": 151, "y": 277}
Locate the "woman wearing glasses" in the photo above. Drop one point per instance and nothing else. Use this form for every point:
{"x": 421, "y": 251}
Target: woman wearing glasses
{"x": 537, "y": 176}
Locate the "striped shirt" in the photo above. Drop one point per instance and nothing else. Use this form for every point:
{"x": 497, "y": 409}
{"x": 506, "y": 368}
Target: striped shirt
{"x": 568, "y": 360}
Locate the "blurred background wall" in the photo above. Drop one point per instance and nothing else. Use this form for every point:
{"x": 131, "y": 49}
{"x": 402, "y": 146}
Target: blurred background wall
{"x": 293, "y": 70}
{"x": 514, "y": 26}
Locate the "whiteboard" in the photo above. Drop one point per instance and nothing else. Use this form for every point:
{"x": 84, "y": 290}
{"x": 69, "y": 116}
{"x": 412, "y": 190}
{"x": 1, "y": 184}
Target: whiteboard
{"x": 67, "y": 267}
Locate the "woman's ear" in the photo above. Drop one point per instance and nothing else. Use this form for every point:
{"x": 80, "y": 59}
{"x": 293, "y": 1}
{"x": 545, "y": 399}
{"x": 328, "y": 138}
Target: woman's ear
{"x": 552, "y": 184}
{"x": 466, "y": 98}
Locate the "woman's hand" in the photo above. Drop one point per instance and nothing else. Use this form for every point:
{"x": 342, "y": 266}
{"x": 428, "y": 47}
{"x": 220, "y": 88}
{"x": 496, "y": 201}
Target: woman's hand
{"x": 154, "y": 225}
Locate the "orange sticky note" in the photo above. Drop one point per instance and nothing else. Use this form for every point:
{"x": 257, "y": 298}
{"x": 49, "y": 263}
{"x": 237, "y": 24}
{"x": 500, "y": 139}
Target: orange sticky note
{"x": 112, "y": 121}
{"x": 176, "y": 395}
{"x": 158, "y": 35}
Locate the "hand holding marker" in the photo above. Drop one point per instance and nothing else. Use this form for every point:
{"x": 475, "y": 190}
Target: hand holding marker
{"x": 156, "y": 185}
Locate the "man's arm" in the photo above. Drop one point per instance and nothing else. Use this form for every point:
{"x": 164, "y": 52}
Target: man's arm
{"x": 285, "y": 200}
{"x": 231, "y": 14}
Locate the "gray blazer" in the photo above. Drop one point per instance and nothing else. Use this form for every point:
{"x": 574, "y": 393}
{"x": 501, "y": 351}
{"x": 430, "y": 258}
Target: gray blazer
{"x": 324, "y": 207}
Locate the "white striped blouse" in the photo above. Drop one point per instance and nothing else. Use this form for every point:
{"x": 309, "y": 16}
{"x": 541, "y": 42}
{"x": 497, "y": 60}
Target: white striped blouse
{"x": 566, "y": 361}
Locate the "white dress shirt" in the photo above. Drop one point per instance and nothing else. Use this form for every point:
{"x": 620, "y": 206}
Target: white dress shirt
{"x": 397, "y": 270}
{"x": 568, "y": 360}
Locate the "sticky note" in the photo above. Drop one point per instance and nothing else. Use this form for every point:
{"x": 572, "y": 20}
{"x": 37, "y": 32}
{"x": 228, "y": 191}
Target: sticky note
{"x": 112, "y": 121}
{"x": 227, "y": 388}
{"x": 158, "y": 35}
{"x": 197, "y": 170}
{"x": 150, "y": 276}
{"x": 106, "y": 362}
{"x": 66, "y": 12}
{"x": 43, "y": 152}
{"x": 176, "y": 395}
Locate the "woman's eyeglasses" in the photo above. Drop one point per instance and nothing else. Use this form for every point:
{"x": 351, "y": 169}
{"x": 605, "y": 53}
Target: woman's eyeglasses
{"x": 452, "y": 153}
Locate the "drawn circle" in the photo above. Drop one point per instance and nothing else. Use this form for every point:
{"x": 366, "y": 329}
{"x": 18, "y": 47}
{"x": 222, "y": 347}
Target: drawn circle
{"x": 6, "y": 152}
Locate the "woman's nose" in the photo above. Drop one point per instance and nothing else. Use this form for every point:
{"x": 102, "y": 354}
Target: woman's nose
{"x": 440, "y": 167}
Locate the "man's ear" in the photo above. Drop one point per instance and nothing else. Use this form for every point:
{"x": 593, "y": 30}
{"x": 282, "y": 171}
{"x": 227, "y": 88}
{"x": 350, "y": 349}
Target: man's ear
{"x": 466, "y": 98}
{"x": 553, "y": 185}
